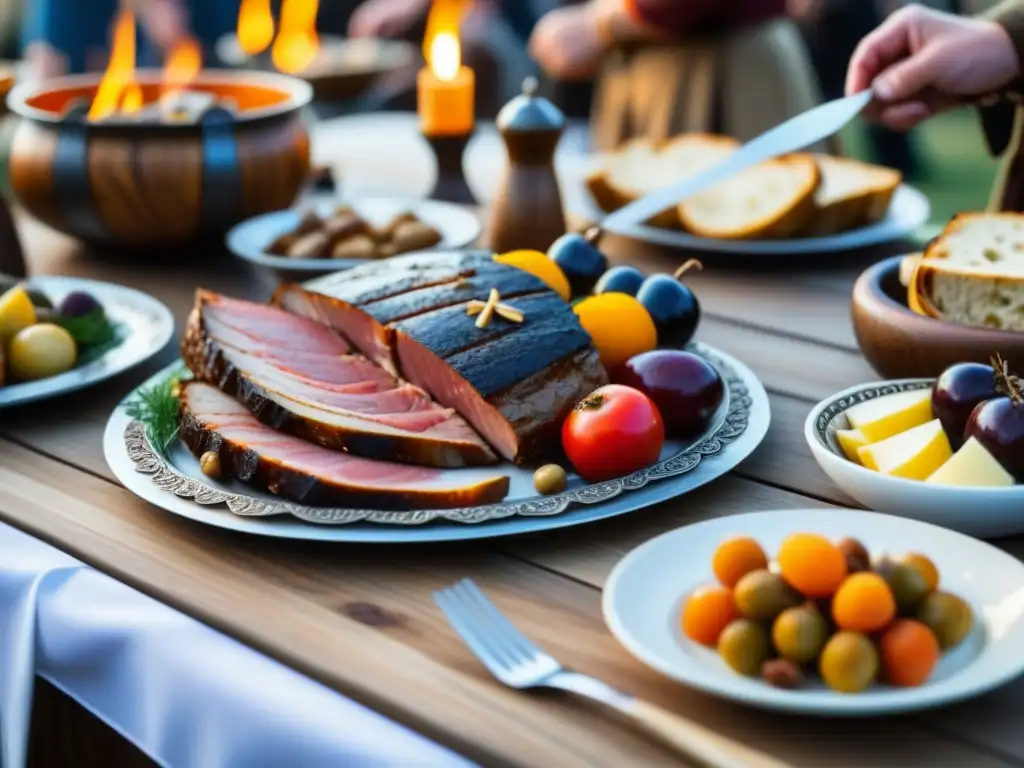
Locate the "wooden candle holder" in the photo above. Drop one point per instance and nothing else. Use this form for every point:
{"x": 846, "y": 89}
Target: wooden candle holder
{"x": 450, "y": 183}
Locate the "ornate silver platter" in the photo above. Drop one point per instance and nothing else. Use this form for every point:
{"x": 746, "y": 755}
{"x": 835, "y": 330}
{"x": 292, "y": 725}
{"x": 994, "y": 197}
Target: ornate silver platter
{"x": 175, "y": 483}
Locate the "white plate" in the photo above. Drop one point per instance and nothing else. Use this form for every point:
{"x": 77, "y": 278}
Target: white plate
{"x": 981, "y": 512}
{"x": 689, "y": 467}
{"x": 908, "y": 210}
{"x": 148, "y": 326}
{"x": 457, "y": 226}
{"x": 645, "y": 593}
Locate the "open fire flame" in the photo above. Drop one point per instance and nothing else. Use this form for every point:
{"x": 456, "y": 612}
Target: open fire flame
{"x": 295, "y": 45}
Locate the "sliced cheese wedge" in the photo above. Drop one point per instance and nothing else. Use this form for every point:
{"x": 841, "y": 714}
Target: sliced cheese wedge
{"x": 914, "y": 454}
{"x": 851, "y": 441}
{"x": 886, "y": 416}
{"x": 972, "y": 466}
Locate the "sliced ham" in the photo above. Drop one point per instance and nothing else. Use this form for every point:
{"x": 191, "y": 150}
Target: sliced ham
{"x": 398, "y": 422}
{"x": 513, "y": 382}
{"x": 300, "y": 471}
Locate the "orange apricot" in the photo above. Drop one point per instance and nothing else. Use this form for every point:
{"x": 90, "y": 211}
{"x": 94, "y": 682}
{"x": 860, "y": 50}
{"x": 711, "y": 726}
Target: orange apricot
{"x": 863, "y": 603}
{"x": 737, "y": 557}
{"x": 925, "y": 568}
{"x": 812, "y": 564}
{"x": 909, "y": 652}
{"x": 707, "y": 612}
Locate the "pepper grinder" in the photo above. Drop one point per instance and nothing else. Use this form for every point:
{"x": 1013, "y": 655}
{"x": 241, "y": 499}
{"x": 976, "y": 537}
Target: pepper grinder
{"x": 527, "y": 210}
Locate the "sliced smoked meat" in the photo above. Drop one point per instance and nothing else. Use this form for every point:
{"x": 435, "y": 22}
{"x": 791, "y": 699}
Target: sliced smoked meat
{"x": 300, "y": 471}
{"x": 398, "y": 422}
{"x": 513, "y": 382}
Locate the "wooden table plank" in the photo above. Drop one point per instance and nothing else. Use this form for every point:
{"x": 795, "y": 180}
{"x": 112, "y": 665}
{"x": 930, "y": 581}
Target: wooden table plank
{"x": 307, "y": 605}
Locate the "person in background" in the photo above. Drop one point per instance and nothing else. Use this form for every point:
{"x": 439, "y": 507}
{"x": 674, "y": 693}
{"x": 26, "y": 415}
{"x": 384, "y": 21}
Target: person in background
{"x": 68, "y": 36}
{"x": 665, "y": 67}
{"x": 832, "y": 29}
{"x": 921, "y": 62}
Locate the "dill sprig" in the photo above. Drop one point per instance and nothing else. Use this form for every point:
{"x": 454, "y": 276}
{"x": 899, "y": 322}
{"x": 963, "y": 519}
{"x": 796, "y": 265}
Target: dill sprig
{"x": 157, "y": 407}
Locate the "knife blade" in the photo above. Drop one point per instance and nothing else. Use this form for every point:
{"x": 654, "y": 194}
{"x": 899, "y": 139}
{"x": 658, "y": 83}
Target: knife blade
{"x": 796, "y": 133}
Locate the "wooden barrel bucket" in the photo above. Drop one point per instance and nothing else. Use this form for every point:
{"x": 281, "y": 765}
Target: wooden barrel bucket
{"x": 138, "y": 182}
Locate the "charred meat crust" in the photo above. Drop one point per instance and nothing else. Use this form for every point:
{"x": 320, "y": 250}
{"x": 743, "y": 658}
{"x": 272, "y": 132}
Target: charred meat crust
{"x": 547, "y": 363}
{"x": 245, "y": 464}
{"x": 458, "y": 291}
{"x": 549, "y": 334}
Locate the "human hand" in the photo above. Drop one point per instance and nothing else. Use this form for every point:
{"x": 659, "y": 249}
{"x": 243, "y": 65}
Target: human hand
{"x": 567, "y": 42}
{"x": 921, "y": 62}
{"x": 386, "y": 18}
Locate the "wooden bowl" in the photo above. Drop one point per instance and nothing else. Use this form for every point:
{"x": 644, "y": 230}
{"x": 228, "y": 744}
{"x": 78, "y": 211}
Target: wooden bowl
{"x": 130, "y": 184}
{"x": 901, "y": 344}
{"x": 343, "y": 69}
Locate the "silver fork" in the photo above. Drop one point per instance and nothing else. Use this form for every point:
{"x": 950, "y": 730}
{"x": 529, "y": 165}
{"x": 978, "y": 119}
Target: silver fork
{"x": 518, "y": 663}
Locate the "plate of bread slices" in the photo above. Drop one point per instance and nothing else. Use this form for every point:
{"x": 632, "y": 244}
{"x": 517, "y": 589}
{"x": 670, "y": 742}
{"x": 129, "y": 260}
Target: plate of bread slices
{"x": 961, "y": 299}
{"x": 798, "y": 203}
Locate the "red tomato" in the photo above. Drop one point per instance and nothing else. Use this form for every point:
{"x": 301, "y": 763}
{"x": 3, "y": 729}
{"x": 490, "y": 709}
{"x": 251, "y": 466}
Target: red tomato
{"x": 612, "y": 432}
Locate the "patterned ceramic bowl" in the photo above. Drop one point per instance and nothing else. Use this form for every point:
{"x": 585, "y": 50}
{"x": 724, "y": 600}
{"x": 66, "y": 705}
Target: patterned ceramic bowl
{"x": 981, "y": 512}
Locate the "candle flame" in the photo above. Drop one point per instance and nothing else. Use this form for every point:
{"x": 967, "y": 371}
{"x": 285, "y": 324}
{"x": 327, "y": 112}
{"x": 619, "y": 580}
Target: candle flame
{"x": 442, "y": 37}
{"x": 132, "y": 100}
{"x": 182, "y": 65}
{"x": 297, "y": 43}
{"x": 445, "y": 55}
{"x": 120, "y": 69}
{"x": 255, "y": 26}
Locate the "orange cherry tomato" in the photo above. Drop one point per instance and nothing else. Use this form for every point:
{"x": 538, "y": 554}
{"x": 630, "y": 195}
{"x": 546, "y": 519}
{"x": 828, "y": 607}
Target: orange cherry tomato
{"x": 612, "y": 432}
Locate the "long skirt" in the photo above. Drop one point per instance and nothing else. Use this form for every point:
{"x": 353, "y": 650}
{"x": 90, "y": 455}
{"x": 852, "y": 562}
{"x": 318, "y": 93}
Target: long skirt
{"x": 740, "y": 83}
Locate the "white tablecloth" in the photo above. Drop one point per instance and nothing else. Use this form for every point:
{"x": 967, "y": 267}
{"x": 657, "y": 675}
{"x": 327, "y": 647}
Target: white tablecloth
{"x": 187, "y": 696}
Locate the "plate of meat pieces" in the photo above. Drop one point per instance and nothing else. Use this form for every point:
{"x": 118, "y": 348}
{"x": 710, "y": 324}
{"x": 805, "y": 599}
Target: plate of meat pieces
{"x": 435, "y": 396}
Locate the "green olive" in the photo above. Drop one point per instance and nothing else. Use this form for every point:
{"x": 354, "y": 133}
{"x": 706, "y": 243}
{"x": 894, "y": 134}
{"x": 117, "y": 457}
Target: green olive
{"x": 762, "y": 595}
{"x": 743, "y": 645}
{"x": 907, "y": 585}
{"x": 209, "y": 464}
{"x": 849, "y": 662}
{"x": 800, "y": 633}
{"x": 549, "y": 479}
{"x": 949, "y": 617}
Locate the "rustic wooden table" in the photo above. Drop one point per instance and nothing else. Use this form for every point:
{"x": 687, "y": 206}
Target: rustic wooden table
{"x": 361, "y": 619}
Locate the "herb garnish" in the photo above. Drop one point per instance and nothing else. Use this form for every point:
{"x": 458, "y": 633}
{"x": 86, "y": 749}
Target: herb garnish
{"x": 157, "y": 407}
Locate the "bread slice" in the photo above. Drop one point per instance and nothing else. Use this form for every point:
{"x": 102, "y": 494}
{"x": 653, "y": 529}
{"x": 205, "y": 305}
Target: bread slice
{"x": 641, "y": 167}
{"x": 973, "y": 273}
{"x": 851, "y": 194}
{"x": 773, "y": 200}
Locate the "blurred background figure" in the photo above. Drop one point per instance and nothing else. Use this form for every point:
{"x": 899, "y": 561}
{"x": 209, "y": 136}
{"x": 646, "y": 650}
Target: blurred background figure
{"x": 832, "y": 29}
{"x": 664, "y": 67}
{"x": 69, "y": 36}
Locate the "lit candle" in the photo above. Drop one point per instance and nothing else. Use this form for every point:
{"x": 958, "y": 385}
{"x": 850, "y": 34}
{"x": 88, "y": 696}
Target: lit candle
{"x": 444, "y": 88}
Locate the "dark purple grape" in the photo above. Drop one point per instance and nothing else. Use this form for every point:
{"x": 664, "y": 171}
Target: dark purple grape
{"x": 957, "y": 392}
{"x": 673, "y": 307}
{"x": 686, "y": 388}
{"x": 998, "y": 424}
{"x": 78, "y": 304}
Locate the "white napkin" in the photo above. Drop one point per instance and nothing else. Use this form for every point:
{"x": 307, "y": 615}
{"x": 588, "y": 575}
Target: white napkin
{"x": 24, "y": 572}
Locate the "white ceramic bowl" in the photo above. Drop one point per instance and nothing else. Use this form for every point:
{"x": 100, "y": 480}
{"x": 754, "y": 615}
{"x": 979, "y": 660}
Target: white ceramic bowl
{"x": 981, "y": 512}
{"x": 645, "y": 593}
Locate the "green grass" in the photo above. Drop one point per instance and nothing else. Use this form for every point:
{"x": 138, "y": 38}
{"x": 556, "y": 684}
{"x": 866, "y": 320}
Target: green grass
{"x": 958, "y": 171}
